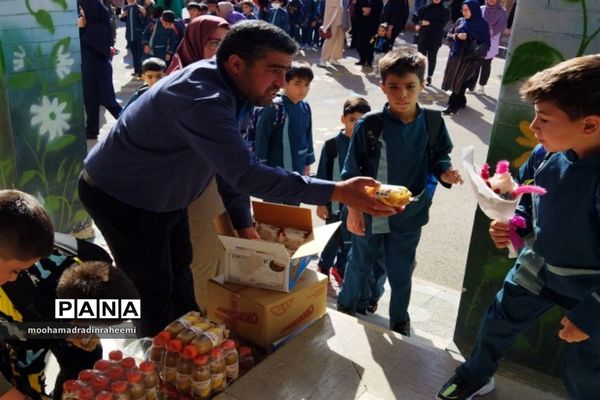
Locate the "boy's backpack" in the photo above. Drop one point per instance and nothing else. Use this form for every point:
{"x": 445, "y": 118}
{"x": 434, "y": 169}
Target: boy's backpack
{"x": 249, "y": 131}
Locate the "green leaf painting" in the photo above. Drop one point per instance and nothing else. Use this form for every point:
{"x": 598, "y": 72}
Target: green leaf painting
{"x": 530, "y": 58}
{"x": 45, "y": 110}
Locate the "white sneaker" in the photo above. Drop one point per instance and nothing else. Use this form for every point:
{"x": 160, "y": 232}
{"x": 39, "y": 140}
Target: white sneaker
{"x": 480, "y": 89}
{"x": 335, "y": 62}
{"x": 321, "y": 64}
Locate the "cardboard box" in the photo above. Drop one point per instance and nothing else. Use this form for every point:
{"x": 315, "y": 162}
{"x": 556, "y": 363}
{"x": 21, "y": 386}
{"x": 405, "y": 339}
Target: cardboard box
{"x": 267, "y": 264}
{"x": 264, "y": 316}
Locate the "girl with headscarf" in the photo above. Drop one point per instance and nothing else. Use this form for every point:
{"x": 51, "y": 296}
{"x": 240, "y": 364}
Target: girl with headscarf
{"x": 496, "y": 17}
{"x": 462, "y": 66}
{"x": 201, "y": 40}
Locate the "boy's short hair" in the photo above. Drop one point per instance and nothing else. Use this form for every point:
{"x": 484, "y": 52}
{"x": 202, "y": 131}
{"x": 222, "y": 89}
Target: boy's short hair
{"x": 168, "y": 16}
{"x": 383, "y": 25}
{"x": 26, "y": 231}
{"x": 573, "y": 86}
{"x": 300, "y": 70}
{"x": 203, "y": 6}
{"x": 95, "y": 280}
{"x": 356, "y": 104}
{"x": 154, "y": 64}
{"x": 193, "y": 4}
{"x": 402, "y": 62}
{"x": 212, "y": 1}
{"x": 248, "y": 3}
{"x": 252, "y": 39}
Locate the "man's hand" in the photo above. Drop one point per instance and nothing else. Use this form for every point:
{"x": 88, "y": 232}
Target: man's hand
{"x": 452, "y": 177}
{"x": 352, "y": 193}
{"x": 248, "y": 233}
{"x": 355, "y": 222}
{"x": 570, "y": 333}
{"x": 462, "y": 36}
{"x": 147, "y": 49}
{"x": 499, "y": 233}
{"x": 322, "y": 212}
{"x": 424, "y": 22}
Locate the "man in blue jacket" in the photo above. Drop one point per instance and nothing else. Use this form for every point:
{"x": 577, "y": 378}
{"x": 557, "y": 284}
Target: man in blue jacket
{"x": 167, "y": 147}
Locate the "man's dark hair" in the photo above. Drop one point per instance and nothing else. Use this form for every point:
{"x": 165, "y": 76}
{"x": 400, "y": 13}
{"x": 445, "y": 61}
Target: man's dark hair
{"x": 356, "y": 104}
{"x": 168, "y": 16}
{"x": 573, "y": 86}
{"x": 251, "y": 40}
{"x": 212, "y": 1}
{"x": 402, "y": 62}
{"x": 153, "y": 64}
{"x": 300, "y": 70}
{"x": 95, "y": 280}
{"x": 26, "y": 231}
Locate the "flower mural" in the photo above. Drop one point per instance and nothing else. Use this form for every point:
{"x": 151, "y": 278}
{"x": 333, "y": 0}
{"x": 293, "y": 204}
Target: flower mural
{"x": 527, "y": 140}
{"x": 41, "y": 117}
{"x": 51, "y": 118}
{"x": 19, "y": 59}
{"x": 64, "y": 62}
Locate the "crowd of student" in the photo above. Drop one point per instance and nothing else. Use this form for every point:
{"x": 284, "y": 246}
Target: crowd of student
{"x": 138, "y": 184}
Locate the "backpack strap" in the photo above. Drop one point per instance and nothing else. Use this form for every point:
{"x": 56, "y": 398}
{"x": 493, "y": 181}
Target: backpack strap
{"x": 373, "y": 125}
{"x": 332, "y": 152}
{"x": 433, "y": 125}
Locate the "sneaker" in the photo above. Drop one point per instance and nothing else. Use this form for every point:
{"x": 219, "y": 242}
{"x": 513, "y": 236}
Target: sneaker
{"x": 345, "y": 310}
{"x": 372, "y": 308}
{"x": 401, "y": 327}
{"x": 480, "y": 89}
{"x": 428, "y": 81}
{"x": 459, "y": 389}
{"x": 321, "y": 64}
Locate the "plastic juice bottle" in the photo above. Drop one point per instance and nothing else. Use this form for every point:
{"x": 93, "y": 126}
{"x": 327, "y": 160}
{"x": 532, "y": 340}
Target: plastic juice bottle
{"x": 170, "y": 360}
{"x": 392, "y": 195}
{"x": 218, "y": 377}
{"x": 86, "y": 393}
{"x": 104, "y": 396}
{"x": 120, "y": 390}
{"x": 184, "y": 370}
{"x": 100, "y": 383}
{"x": 102, "y": 366}
{"x": 86, "y": 375}
{"x": 157, "y": 350}
{"x": 185, "y": 321}
{"x": 209, "y": 339}
{"x": 71, "y": 389}
{"x": 246, "y": 359}
{"x": 148, "y": 370}
{"x": 231, "y": 359}
{"x": 201, "y": 386}
{"x": 188, "y": 334}
{"x": 115, "y": 373}
{"x": 137, "y": 390}
{"x": 128, "y": 364}
{"x": 115, "y": 356}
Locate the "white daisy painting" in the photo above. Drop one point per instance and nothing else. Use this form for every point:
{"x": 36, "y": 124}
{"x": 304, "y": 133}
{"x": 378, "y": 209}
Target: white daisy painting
{"x": 51, "y": 117}
{"x": 19, "y": 59}
{"x": 64, "y": 62}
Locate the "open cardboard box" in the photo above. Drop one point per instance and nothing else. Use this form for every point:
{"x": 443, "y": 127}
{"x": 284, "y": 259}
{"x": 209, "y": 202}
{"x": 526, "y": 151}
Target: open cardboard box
{"x": 265, "y": 316}
{"x": 267, "y": 264}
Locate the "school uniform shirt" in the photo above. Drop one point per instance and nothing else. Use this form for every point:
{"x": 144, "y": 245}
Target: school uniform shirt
{"x": 289, "y": 146}
{"x": 161, "y": 41}
{"x": 401, "y": 159}
{"x": 561, "y": 259}
{"x": 135, "y": 23}
{"x": 169, "y": 144}
{"x": 332, "y": 169}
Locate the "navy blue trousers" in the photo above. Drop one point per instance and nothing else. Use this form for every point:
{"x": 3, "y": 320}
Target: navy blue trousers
{"x": 514, "y": 310}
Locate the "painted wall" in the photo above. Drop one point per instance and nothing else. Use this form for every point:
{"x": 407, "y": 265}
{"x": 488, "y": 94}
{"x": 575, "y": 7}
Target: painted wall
{"x": 544, "y": 33}
{"x": 42, "y": 141}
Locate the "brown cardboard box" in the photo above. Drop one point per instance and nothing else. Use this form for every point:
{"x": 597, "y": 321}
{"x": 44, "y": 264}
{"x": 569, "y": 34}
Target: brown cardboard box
{"x": 264, "y": 316}
{"x": 268, "y": 265}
